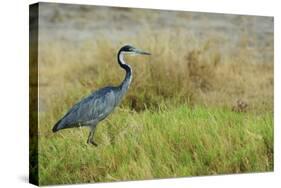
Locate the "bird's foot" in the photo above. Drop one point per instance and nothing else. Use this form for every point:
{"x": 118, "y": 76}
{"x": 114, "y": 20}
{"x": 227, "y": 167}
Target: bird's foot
{"x": 92, "y": 142}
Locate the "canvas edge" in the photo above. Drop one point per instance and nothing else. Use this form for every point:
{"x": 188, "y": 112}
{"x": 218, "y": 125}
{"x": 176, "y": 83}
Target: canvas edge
{"x": 33, "y": 93}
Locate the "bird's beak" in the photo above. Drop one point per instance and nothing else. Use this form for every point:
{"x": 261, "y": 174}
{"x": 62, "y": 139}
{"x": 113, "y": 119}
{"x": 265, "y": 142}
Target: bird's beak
{"x": 138, "y": 51}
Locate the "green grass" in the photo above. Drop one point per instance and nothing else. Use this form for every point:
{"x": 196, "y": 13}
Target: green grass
{"x": 171, "y": 141}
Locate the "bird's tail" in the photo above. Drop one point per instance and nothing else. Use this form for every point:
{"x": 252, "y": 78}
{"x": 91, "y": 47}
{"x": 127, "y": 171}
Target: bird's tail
{"x": 56, "y": 126}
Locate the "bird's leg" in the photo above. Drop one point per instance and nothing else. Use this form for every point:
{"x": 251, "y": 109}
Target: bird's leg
{"x": 91, "y": 136}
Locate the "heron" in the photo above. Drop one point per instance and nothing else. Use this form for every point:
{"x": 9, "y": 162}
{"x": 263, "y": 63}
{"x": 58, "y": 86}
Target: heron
{"x": 99, "y": 104}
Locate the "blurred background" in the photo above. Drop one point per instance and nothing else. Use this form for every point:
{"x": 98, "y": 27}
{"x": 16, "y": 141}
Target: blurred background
{"x": 209, "y": 59}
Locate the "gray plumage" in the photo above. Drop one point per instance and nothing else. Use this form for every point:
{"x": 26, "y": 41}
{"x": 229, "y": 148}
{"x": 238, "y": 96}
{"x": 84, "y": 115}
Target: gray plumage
{"x": 97, "y": 106}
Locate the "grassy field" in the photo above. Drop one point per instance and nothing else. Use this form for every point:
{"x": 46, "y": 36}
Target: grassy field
{"x": 197, "y": 106}
{"x": 170, "y": 142}
{"x": 156, "y": 132}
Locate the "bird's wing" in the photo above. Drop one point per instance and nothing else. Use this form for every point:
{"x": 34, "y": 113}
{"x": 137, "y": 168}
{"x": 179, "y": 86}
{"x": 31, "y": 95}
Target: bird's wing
{"x": 92, "y": 108}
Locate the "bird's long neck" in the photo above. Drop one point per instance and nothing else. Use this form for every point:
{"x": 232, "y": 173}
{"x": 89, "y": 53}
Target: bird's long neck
{"x": 128, "y": 78}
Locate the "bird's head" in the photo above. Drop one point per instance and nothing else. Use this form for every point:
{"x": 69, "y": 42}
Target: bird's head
{"x": 129, "y": 49}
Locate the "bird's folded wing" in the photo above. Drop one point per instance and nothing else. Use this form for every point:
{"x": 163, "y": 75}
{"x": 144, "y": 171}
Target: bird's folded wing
{"x": 95, "y": 107}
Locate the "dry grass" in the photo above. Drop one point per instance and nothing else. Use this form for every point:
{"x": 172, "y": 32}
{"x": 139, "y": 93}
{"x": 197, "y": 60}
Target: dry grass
{"x": 180, "y": 69}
